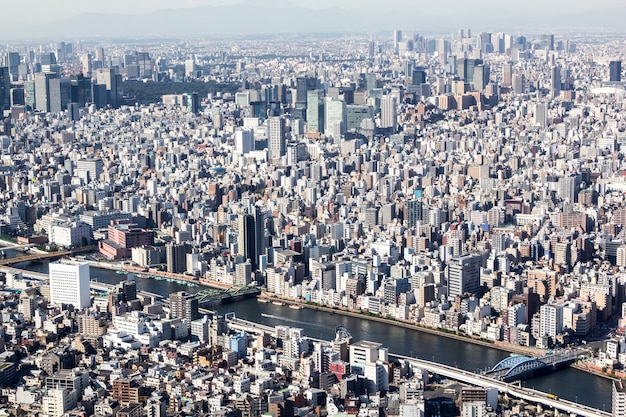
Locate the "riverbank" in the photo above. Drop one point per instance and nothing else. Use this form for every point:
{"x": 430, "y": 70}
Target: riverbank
{"x": 506, "y": 347}
{"x": 597, "y": 371}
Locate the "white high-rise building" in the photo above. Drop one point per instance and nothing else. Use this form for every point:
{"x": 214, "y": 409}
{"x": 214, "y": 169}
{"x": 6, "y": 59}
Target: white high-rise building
{"x": 388, "y": 112}
{"x": 551, "y": 322}
{"x": 69, "y": 284}
{"x": 619, "y": 399}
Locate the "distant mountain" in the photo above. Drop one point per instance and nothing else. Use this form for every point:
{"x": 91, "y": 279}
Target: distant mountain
{"x": 266, "y": 17}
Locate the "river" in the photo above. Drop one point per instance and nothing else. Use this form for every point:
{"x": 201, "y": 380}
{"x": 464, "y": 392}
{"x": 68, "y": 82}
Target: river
{"x": 569, "y": 383}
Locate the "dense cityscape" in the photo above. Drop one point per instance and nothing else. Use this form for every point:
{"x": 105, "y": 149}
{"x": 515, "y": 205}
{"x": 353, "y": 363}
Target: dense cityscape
{"x": 469, "y": 185}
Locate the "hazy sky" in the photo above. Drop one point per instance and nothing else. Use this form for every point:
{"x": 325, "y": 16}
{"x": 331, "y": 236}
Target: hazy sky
{"x": 44, "y": 11}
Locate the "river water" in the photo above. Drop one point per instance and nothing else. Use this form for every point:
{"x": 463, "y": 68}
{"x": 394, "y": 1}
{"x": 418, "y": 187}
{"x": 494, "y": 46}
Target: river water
{"x": 569, "y": 383}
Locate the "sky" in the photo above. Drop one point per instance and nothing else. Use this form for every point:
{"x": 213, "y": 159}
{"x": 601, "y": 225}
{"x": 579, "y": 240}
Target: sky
{"x": 47, "y": 11}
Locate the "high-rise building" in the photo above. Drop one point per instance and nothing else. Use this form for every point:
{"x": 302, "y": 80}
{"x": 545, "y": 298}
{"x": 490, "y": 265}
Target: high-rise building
{"x": 12, "y": 61}
{"x": 481, "y": 77}
{"x": 69, "y": 284}
{"x": 176, "y": 256}
{"x": 507, "y": 74}
{"x": 397, "y": 38}
{"x": 388, "y": 112}
{"x": 414, "y": 212}
{"x": 246, "y": 239}
{"x": 277, "y": 140}
{"x": 518, "y": 83}
{"x": 615, "y": 71}
{"x": 619, "y": 398}
{"x": 42, "y": 91}
{"x": 551, "y": 319}
{"x": 5, "y": 89}
{"x": 303, "y": 85}
{"x": 315, "y": 111}
{"x": 464, "y": 275}
{"x": 184, "y": 306}
{"x": 60, "y": 91}
{"x": 555, "y": 81}
{"x": 335, "y": 117}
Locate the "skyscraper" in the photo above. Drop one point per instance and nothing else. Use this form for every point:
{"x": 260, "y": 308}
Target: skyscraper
{"x": 315, "y": 110}
{"x": 277, "y": 141}
{"x": 507, "y": 74}
{"x": 246, "y": 237}
{"x": 335, "y": 117}
{"x": 69, "y": 284}
{"x": 5, "y": 89}
{"x": 397, "y": 38}
{"x": 464, "y": 275}
{"x": 555, "y": 81}
{"x": 615, "y": 71}
{"x": 388, "y": 112}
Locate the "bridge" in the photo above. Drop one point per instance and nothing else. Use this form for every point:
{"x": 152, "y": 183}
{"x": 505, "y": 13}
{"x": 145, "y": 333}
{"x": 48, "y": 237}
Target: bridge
{"x": 39, "y": 256}
{"x": 17, "y": 247}
{"x": 526, "y": 394}
{"x": 519, "y": 366}
{"x": 39, "y": 276}
{"x": 214, "y": 296}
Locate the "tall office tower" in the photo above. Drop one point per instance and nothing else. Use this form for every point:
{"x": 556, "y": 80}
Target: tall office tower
{"x": 49, "y": 62}
{"x": 418, "y": 76}
{"x": 80, "y": 89}
{"x": 113, "y": 83}
{"x": 615, "y": 71}
{"x": 315, "y": 110}
{"x": 42, "y": 91}
{"x": 547, "y": 42}
{"x": 5, "y": 90}
{"x": 277, "y": 141}
{"x": 619, "y": 398}
{"x": 518, "y": 83}
{"x": 304, "y": 84}
{"x": 13, "y": 62}
{"x": 397, "y": 38}
{"x": 541, "y": 114}
{"x": 246, "y": 238}
{"x": 555, "y": 81}
{"x": 371, "y": 48}
{"x": 388, "y": 112}
{"x": 481, "y": 77}
{"x": 85, "y": 64}
{"x": 464, "y": 275}
{"x": 259, "y": 235}
{"x": 244, "y": 141}
{"x": 371, "y": 83}
{"x": 335, "y": 117}
{"x": 100, "y": 54}
{"x": 69, "y": 284}
{"x": 59, "y": 94}
{"x": 176, "y": 256}
{"x": 193, "y": 103}
{"x": 507, "y": 74}
{"x": 184, "y": 306}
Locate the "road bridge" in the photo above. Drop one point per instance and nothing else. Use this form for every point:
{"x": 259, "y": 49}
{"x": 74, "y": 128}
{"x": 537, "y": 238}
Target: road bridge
{"x": 526, "y": 394}
{"x": 519, "y": 366}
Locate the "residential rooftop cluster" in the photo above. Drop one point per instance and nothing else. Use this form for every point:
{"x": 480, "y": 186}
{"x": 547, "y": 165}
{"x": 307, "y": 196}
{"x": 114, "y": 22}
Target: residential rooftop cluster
{"x": 472, "y": 183}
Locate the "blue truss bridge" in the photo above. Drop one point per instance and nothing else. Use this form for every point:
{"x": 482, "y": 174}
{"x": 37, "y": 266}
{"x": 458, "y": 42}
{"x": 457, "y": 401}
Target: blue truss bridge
{"x": 520, "y": 367}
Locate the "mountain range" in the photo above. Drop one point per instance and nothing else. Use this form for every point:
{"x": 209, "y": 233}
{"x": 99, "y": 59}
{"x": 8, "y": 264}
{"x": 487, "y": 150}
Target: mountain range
{"x": 282, "y": 18}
